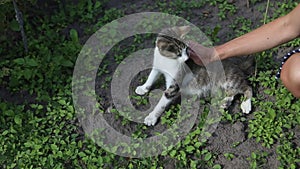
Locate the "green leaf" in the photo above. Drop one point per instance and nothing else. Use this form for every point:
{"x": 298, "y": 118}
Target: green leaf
{"x": 62, "y": 102}
{"x": 173, "y": 153}
{"x": 19, "y": 61}
{"x": 190, "y": 148}
{"x": 293, "y": 166}
{"x": 272, "y": 114}
{"x": 27, "y": 74}
{"x": 54, "y": 147}
{"x": 207, "y": 156}
{"x": 258, "y": 139}
{"x": 14, "y": 25}
{"x": 130, "y": 166}
{"x": 3, "y": 106}
{"x": 18, "y": 119}
{"x": 74, "y": 35}
{"x": 97, "y": 5}
{"x": 27, "y": 144}
{"x": 253, "y": 155}
{"x": 164, "y": 153}
{"x": 9, "y": 113}
{"x": 40, "y": 107}
{"x": 14, "y": 82}
{"x": 193, "y": 164}
{"x": 217, "y": 166}
{"x": 31, "y": 62}
{"x": 81, "y": 154}
{"x": 67, "y": 63}
{"x": 4, "y": 133}
{"x": 187, "y": 141}
{"x": 70, "y": 108}
{"x": 197, "y": 144}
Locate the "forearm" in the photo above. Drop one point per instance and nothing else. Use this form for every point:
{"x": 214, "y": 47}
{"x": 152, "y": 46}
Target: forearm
{"x": 265, "y": 37}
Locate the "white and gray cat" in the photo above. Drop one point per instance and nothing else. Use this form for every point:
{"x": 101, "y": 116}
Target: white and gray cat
{"x": 170, "y": 55}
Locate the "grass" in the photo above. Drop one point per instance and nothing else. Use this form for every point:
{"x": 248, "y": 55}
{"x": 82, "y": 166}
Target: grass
{"x": 42, "y": 131}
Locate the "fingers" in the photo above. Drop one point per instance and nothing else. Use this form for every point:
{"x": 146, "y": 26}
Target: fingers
{"x": 191, "y": 44}
{"x": 200, "y": 54}
{"x": 194, "y": 57}
{"x": 194, "y": 52}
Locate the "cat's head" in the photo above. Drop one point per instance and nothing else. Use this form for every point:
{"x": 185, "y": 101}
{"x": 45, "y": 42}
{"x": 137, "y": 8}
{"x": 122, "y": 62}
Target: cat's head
{"x": 170, "y": 43}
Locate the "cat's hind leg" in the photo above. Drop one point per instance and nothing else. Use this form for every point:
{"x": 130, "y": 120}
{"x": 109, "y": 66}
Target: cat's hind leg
{"x": 168, "y": 96}
{"x": 152, "y": 118}
{"x": 143, "y": 89}
{"x": 246, "y": 105}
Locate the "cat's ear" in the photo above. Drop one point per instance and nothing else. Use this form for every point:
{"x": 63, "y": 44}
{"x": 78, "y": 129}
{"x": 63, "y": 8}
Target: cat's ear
{"x": 183, "y": 30}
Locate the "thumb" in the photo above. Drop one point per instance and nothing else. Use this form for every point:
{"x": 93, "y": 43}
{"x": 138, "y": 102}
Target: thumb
{"x": 194, "y": 56}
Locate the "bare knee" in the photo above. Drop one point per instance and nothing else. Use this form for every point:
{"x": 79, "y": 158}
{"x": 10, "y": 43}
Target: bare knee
{"x": 296, "y": 84}
{"x": 290, "y": 75}
{"x": 292, "y": 82}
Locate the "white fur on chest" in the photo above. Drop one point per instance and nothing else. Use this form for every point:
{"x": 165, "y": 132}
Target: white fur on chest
{"x": 166, "y": 65}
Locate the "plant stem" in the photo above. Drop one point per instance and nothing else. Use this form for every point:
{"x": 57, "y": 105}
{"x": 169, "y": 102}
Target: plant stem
{"x": 21, "y": 24}
{"x": 266, "y": 12}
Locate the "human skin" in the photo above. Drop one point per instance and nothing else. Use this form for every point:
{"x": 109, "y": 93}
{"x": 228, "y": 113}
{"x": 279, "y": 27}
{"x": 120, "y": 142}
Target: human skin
{"x": 290, "y": 75}
{"x": 277, "y": 32}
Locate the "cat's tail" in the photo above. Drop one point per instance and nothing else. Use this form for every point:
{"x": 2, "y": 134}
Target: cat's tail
{"x": 245, "y": 63}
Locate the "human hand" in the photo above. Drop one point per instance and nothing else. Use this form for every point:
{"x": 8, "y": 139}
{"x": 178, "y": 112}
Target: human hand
{"x": 200, "y": 54}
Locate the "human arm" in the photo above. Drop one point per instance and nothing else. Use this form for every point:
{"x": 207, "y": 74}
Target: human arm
{"x": 265, "y": 37}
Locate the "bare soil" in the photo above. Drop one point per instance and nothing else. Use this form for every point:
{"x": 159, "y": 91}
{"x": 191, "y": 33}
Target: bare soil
{"x": 226, "y": 134}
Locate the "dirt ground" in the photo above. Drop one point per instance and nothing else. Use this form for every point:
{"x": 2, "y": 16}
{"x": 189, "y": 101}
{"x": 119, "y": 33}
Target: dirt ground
{"x": 226, "y": 134}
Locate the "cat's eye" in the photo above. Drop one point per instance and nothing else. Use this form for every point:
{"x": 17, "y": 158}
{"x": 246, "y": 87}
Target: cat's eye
{"x": 171, "y": 48}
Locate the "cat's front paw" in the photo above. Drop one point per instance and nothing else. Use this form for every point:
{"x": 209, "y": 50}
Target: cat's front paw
{"x": 246, "y": 106}
{"x": 141, "y": 90}
{"x": 172, "y": 91}
{"x": 150, "y": 120}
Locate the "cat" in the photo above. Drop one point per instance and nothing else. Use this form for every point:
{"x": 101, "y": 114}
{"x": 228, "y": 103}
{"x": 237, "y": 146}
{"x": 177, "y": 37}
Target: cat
{"x": 170, "y": 56}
